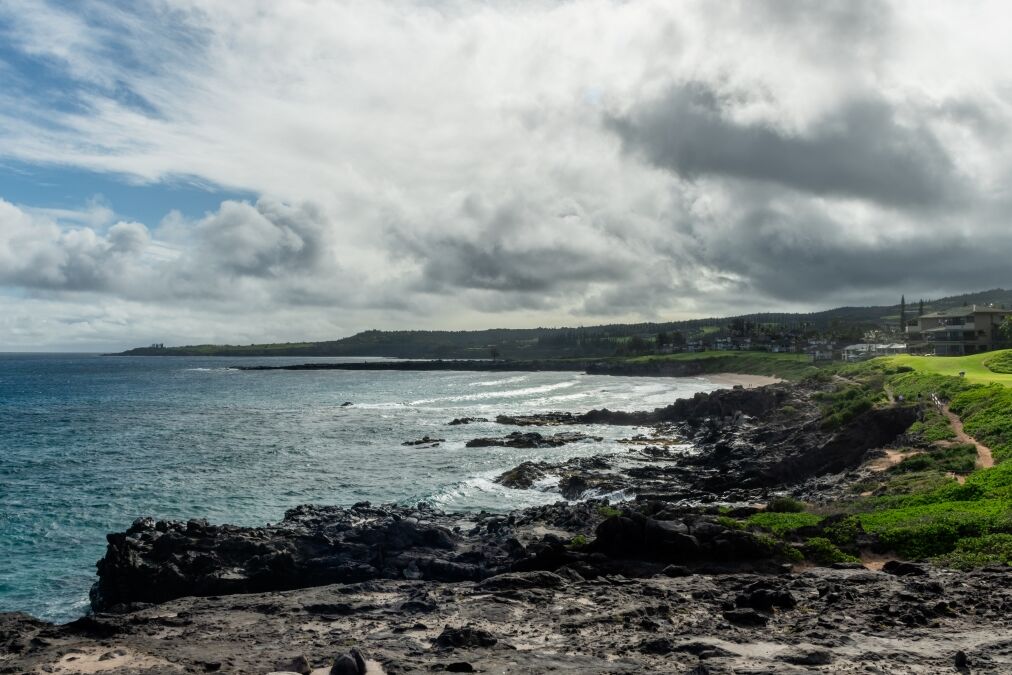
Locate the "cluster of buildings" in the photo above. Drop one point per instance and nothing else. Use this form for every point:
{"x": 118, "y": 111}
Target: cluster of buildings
{"x": 958, "y": 331}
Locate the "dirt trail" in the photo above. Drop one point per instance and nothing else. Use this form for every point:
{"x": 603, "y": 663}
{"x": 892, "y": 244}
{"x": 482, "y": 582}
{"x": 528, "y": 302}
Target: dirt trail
{"x": 985, "y": 459}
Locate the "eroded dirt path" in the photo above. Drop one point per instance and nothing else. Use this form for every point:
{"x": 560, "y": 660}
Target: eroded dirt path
{"x": 985, "y": 460}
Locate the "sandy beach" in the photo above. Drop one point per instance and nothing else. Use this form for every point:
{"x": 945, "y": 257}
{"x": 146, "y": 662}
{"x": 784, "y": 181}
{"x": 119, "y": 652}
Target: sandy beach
{"x": 747, "y": 381}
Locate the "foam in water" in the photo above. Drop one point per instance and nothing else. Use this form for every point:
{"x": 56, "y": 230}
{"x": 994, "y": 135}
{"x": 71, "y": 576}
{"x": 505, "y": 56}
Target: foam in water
{"x": 89, "y": 443}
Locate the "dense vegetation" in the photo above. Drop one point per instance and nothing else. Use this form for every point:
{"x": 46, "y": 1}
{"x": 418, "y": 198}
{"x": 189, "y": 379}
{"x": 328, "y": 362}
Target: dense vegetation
{"x": 917, "y": 508}
{"x": 1000, "y": 362}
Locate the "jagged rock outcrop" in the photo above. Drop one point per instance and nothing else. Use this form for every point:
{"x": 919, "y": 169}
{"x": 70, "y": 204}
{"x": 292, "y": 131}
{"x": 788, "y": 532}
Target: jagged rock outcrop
{"x": 157, "y": 561}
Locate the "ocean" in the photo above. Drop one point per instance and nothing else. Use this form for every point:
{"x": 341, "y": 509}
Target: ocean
{"x": 88, "y": 443}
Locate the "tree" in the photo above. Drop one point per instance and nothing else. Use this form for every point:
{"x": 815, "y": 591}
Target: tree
{"x": 903, "y": 313}
{"x": 663, "y": 339}
{"x": 1005, "y": 330}
{"x": 920, "y": 308}
{"x": 494, "y": 353}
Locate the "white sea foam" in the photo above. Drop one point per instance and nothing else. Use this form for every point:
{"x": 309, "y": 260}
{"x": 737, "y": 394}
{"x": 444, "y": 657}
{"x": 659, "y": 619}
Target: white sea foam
{"x": 508, "y": 393}
{"x": 496, "y": 383}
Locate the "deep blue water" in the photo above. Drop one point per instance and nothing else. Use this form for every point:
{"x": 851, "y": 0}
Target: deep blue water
{"x": 88, "y": 443}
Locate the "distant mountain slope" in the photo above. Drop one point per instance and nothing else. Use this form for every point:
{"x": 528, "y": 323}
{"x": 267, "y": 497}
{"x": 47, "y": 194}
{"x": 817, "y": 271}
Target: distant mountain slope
{"x": 591, "y": 341}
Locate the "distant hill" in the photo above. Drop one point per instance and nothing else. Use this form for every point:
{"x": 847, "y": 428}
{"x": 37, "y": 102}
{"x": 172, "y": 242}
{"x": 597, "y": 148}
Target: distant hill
{"x": 589, "y": 341}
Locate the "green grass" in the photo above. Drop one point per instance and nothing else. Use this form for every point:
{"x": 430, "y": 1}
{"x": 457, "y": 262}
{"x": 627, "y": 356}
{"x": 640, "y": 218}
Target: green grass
{"x": 931, "y": 428}
{"x": 791, "y": 367}
{"x": 987, "y": 416}
{"x": 783, "y": 523}
{"x": 1000, "y": 362}
{"x": 935, "y": 529}
{"x": 991, "y": 549}
{"x": 973, "y": 365}
{"x": 958, "y": 458}
{"x": 824, "y": 552}
{"x": 933, "y": 523}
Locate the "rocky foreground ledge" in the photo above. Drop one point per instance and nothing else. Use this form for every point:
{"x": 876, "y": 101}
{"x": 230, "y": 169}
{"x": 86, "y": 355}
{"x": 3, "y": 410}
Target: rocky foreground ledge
{"x": 663, "y": 583}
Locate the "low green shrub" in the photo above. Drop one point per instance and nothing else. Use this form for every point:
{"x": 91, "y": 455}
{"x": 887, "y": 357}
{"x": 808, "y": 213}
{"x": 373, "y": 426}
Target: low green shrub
{"x": 782, "y": 523}
{"x": 579, "y": 541}
{"x": 932, "y": 427}
{"x": 784, "y": 504}
{"x": 777, "y": 548}
{"x": 1000, "y": 362}
{"x": 609, "y": 511}
{"x": 730, "y": 523}
{"x": 822, "y": 551}
{"x": 991, "y": 549}
{"x": 957, "y": 458}
{"x": 935, "y": 528}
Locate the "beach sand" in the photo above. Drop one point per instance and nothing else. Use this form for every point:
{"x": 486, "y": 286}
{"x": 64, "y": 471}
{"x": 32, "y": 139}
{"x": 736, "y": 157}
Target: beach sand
{"x": 727, "y": 380}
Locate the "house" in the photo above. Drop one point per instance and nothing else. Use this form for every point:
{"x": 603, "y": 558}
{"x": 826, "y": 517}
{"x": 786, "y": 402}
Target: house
{"x": 958, "y": 331}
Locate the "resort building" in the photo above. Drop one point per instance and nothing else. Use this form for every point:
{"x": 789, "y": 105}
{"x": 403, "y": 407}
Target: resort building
{"x": 958, "y": 331}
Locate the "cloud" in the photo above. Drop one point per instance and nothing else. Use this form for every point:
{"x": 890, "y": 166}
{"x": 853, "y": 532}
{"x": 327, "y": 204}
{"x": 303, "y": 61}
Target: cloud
{"x": 459, "y": 164}
{"x": 36, "y": 253}
{"x": 858, "y": 150}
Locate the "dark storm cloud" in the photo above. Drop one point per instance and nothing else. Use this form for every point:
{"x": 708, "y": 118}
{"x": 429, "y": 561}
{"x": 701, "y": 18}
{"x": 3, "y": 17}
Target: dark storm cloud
{"x": 512, "y": 244}
{"x": 860, "y": 150}
{"x": 801, "y": 254}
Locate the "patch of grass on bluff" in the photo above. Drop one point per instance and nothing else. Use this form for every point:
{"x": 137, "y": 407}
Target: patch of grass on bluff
{"x": 931, "y": 428}
{"x": 843, "y": 405}
{"x": 985, "y": 409}
{"x": 957, "y": 458}
{"x": 975, "y": 366}
{"x": 934, "y": 522}
{"x": 783, "y": 523}
{"x": 917, "y": 509}
{"x": 791, "y": 367}
{"x": 987, "y": 416}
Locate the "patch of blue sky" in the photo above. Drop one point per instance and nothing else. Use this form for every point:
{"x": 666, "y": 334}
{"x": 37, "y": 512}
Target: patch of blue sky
{"x": 61, "y": 187}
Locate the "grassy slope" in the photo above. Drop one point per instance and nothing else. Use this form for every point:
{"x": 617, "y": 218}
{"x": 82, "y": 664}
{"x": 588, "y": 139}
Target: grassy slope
{"x": 917, "y": 508}
{"x": 974, "y": 366}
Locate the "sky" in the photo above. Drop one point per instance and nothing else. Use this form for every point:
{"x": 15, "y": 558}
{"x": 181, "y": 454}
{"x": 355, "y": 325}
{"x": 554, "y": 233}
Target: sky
{"x": 186, "y": 171}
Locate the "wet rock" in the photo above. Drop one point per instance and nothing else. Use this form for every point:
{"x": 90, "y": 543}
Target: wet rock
{"x": 299, "y": 664}
{"x": 312, "y": 546}
{"x": 746, "y": 617}
{"x": 532, "y": 439}
{"x": 425, "y": 440}
{"x": 541, "y": 419}
{"x": 521, "y": 580}
{"x": 345, "y": 664}
{"x": 466, "y": 420}
{"x": 465, "y": 637}
{"x": 460, "y": 667}
{"x": 904, "y": 569}
{"x": 808, "y": 657}
{"x": 762, "y": 595}
{"x": 523, "y": 476}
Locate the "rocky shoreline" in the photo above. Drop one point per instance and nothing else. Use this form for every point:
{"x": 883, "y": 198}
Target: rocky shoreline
{"x": 662, "y": 582}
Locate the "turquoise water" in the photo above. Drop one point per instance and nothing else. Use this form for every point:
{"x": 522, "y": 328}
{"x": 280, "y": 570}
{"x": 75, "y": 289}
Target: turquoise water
{"x": 88, "y": 443}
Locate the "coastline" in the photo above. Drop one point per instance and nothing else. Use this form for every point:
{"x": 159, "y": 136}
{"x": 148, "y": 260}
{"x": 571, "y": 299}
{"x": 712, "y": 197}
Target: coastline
{"x": 673, "y": 580}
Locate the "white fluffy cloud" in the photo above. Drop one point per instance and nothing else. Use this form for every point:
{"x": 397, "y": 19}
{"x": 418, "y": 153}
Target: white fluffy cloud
{"x": 464, "y": 163}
